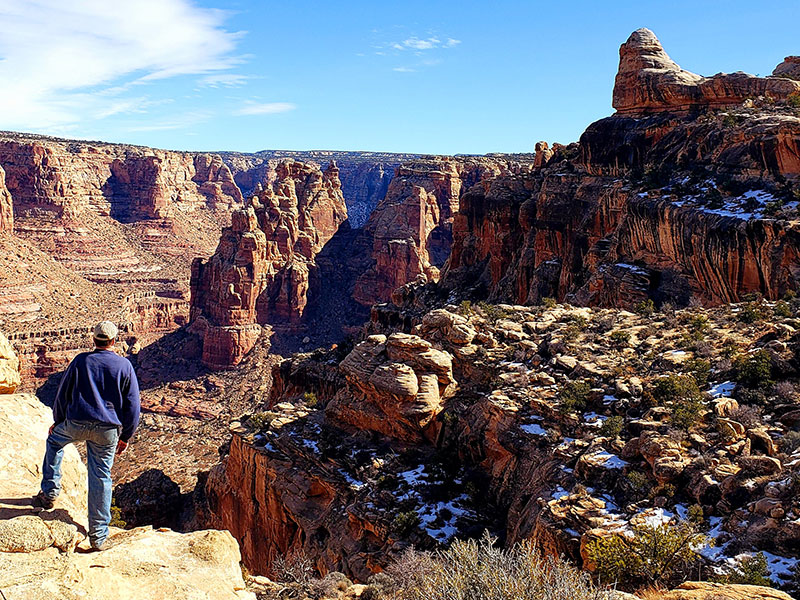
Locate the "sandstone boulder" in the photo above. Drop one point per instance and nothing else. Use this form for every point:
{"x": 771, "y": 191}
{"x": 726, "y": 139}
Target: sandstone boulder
{"x": 9, "y": 367}
{"x": 703, "y": 590}
{"x": 396, "y": 386}
{"x": 36, "y": 557}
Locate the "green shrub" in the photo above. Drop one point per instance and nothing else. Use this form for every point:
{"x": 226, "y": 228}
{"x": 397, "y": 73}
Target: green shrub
{"x": 477, "y": 570}
{"x": 700, "y": 369}
{"x": 698, "y": 324}
{"x": 639, "y": 482}
{"x": 261, "y": 420}
{"x": 782, "y": 309}
{"x": 685, "y": 413}
{"x": 645, "y": 308}
{"x": 571, "y": 332}
{"x": 493, "y": 312}
{"x": 405, "y": 522}
{"x": 465, "y": 308}
{"x": 621, "y": 338}
{"x": 612, "y": 427}
{"x": 749, "y": 570}
{"x": 653, "y": 555}
{"x": 310, "y": 399}
{"x": 793, "y": 100}
{"x": 696, "y": 515}
{"x": 116, "y": 516}
{"x": 573, "y": 396}
{"x": 674, "y": 388}
{"x": 752, "y": 312}
{"x": 549, "y": 302}
{"x": 753, "y": 370}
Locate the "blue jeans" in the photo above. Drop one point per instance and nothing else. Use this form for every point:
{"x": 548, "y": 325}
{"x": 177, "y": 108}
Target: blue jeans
{"x": 101, "y": 445}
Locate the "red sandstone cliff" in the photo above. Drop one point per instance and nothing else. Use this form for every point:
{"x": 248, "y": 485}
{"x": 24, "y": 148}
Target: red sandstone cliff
{"x": 6, "y": 206}
{"x": 411, "y": 228}
{"x": 260, "y": 272}
{"x": 670, "y": 206}
{"x": 649, "y": 81}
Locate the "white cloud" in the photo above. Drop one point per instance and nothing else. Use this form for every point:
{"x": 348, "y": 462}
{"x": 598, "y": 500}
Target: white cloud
{"x": 228, "y": 80}
{"x": 66, "y": 63}
{"x": 404, "y": 70}
{"x": 264, "y": 108}
{"x": 419, "y": 44}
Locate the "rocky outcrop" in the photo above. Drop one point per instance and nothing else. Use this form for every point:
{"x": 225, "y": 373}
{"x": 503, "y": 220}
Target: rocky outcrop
{"x": 396, "y": 386}
{"x": 262, "y": 269}
{"x": 411, "y": 228}
{"x": 790, "y": 68}
{"x": 6, "y": 206}
{"x": 666, "y": 206}
{"x": 9, "y": 367}
{"x": 37, "y": 558}
{"x": 125, "y": 182}
{"x": 365, "y": 176}
{"x": 702, "y": 590}
{"x": 649, "y": 81}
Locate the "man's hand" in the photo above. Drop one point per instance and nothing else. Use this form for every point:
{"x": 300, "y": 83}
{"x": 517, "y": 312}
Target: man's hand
{"x": 121, "y": 446}
{"x": 50, "y": 431}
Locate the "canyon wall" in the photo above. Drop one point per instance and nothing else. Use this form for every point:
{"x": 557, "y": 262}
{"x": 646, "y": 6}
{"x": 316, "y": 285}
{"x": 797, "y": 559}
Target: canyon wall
{"x": 6, "y": 206}
{"x": 411, "y": 228}
{"x": 261, "y": 271}
{"x": 365, "y": 176}
{"x": 670, "y": 206}
{"x": 446, "y": 419}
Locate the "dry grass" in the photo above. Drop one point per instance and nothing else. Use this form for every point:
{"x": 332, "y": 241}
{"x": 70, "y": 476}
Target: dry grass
{"x": 477, "y": 570}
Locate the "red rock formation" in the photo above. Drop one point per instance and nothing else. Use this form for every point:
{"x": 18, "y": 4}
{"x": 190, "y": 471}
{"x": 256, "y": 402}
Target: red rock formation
{"x": 6, "y": 206}
{"x": 260, "y": 272}
{"x": 46, "y": 174}
{"x": 396, "y": 386}
{"x": 649, "y": 81}
{"x": 790, "y": 67}
{"x": 365, "y": 176}
{"x": 585, "y": 231}
{"x": 411, "y": 228}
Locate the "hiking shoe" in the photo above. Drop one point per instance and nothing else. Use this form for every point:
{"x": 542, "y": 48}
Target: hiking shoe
{"x": 104, "y": 545}
{"x": 42, "y": 501}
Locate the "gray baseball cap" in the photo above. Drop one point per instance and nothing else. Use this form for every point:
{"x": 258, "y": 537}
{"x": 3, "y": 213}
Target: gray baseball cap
{"x": 105, "y": 330}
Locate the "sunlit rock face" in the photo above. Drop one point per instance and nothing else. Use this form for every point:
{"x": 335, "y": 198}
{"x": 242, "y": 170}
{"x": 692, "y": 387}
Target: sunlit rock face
{"x": 260, "y": 272}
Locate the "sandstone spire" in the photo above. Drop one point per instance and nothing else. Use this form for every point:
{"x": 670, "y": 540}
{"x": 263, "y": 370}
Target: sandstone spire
{"x": 649, "y": 81}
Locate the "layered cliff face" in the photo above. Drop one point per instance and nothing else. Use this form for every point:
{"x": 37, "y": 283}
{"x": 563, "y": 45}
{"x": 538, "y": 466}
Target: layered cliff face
{"x": 6, "y": 206}
{"x": 650, "y": 81}
{"x": 101, "y": 231}
{"x": 668, "y": 206}
{"x": 261, "y": 271}
{"x": 552, "y": 429}
{"x": 411, "y": 228}
{"x": 126, "y": 182}
{"x": 365, "y": 176}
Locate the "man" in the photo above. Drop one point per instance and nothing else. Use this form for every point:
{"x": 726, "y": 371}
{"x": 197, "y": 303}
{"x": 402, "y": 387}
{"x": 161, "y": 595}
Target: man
{"x": 97, "y": 402}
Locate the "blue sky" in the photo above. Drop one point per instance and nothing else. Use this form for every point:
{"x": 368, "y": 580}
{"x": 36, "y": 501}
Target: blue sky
{"x": 411, "y": 76}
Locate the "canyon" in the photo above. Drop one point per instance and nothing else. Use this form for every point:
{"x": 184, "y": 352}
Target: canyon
{"x": 346, "y": 355}
{"x": 454, "y": 388}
